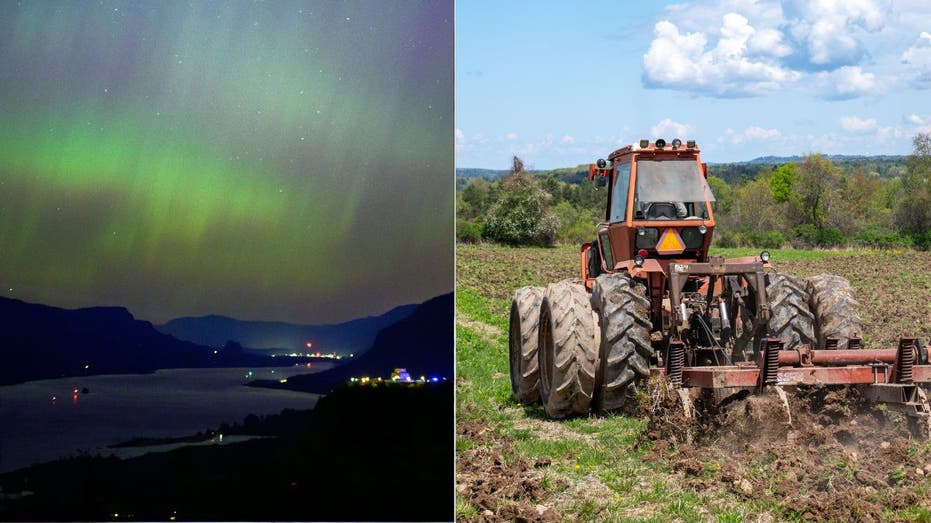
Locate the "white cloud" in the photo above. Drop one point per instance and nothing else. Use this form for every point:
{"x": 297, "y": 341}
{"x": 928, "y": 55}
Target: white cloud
{"x": 884, "y": 134}
{"x": 669, "y": 129}
{"x": 752, "y": 133}
{"x": 741, "y": 63}
{"x": 919, "y": 120}
{"x": 510, "y": 136}
{"x": 567, "y": 139}
{"x": 733, "y": 48}
{"x": 847, "y": 82}
{"x": 857, "y": 125}
{"x": 460, "y": 136}
{"x": 832, "y": 31}
{"x": 921, "y": 123}
{"x": 917, "y": 59}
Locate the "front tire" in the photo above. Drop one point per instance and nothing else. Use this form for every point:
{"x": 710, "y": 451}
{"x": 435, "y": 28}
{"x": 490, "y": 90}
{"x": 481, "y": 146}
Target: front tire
{"x": 522, "y": 347}
{"x": 567, "y": 350}
{"x": 625, "y": 351}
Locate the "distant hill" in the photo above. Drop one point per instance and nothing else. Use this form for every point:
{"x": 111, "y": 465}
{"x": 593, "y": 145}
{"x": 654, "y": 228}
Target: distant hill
{"x": 354, "y": 336}
{"x": 422, "y": 343}
{"x": 836, "y": 158}
{"x": 487, "y": 174}
{"x": 886, "y": 166}
{"x": 39, "y": 341}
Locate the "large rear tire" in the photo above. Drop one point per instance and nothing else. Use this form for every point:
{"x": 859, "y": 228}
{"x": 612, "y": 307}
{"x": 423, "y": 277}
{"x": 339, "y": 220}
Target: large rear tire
{"x": 836, "y": 311}
{"x": 567, "y": 350}
{"x": 790, "y": 315}
{"x": 625, "y": 351}
{"x": 522, "y": 346}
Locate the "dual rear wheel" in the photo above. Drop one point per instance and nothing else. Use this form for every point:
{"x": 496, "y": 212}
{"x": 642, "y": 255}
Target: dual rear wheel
{"x": 589, "y": 350}
{"x": 808, "y": 311}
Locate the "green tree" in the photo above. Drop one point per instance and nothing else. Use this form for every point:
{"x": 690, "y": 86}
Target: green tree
{"x": 818, "y": 180}
{"x": 723, "y": 195}
{"x": 521, "y": 215}
{"x": 913, "y": 212}
{"x": 781, "y": 182}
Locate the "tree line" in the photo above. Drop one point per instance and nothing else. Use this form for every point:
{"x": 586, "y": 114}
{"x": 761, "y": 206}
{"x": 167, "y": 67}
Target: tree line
{"x": 811, "y": 202}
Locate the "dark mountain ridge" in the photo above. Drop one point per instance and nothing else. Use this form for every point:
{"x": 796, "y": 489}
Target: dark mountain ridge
{"x": 39, "y": 341}
{"x": 422, "y": 343}
{"x": 354, "y": 336}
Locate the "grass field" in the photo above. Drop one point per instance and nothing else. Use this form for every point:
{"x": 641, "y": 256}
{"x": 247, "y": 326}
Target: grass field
{"x": 513, "y": 463}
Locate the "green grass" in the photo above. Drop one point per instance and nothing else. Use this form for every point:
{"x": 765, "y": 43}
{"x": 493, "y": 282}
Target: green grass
{"x": 777, "y": 255}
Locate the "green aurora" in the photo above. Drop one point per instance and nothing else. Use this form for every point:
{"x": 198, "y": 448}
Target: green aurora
{"x": 280, "y": 161}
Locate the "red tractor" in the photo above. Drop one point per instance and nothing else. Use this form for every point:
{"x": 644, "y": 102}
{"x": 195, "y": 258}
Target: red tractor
{"x": 651, "y": 301}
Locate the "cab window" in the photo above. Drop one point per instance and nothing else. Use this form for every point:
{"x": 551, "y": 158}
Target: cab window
{"x": 619, "y": 197}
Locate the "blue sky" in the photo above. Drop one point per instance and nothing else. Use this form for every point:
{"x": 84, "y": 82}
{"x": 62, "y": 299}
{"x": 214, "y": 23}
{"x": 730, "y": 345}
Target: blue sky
{"x": 561, "y": 84}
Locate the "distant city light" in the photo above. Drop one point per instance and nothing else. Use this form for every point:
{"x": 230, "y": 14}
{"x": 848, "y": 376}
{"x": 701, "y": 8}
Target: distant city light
{"x": 309, "y": 344}
{"x": 283, "y": 380}
{"x": 87, "y": 366}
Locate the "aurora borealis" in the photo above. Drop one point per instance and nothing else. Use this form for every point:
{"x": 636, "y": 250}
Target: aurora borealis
{"x": 286, "y": 161}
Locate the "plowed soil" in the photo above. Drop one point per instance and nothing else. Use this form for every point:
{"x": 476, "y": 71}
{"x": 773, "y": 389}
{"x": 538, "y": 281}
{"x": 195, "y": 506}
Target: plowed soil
{"x": 500, "y": 490}
{"x": 829, "y": 454}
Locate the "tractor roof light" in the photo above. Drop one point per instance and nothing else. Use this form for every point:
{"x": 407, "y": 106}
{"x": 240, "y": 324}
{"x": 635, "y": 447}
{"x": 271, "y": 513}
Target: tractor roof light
{"x": 690, "y": 144}
{"x": 676, "y": 143}
{"x": 660, "y": 143}
{"x": 601, "y": 163}
{"x": 764, "y": 256}
{"x": 644, "y": 144}
{"x": 638, "y": 260}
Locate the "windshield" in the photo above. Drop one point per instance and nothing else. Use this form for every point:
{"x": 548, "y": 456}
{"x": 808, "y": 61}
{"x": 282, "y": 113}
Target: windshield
{"x": 670, "y": 189}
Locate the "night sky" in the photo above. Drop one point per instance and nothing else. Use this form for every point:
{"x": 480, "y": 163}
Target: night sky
{"x": 286, "y": 161}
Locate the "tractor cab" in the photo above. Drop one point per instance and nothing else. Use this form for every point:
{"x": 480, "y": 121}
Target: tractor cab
{"x": 658, "y": 207}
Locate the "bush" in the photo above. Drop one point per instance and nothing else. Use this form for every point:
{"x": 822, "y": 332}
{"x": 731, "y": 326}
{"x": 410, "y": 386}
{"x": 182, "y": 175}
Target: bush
{"x": 921, "y": 241}
{"x": 880, "y": 239}
{"x": 766, "y": 240}
{"x": 807, "y": 235}
{"x": 520, "y": 216}
{"x": 468, "y": 232}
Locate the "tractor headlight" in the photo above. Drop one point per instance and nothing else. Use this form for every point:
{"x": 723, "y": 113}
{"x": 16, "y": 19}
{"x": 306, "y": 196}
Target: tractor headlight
{"x": 764, "y": 256}
{"x": 702, "y": 229}
{"x": 676, "y": 143}
{"x": 693, "y": 237}
{"x": 660, "y": 143}
{"x": 638, "y": 260}
{"x": 647, "y": 237}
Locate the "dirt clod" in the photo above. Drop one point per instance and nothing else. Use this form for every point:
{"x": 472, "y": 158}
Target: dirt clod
{"x": 499, "y": 489}
{"x": 842, "y": 457}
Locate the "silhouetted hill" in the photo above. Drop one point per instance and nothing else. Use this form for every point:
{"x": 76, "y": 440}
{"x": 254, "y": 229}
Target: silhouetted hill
{"x": 363, "y": 454}
{"x": 39, "y": 341}
{"x": 353, "y": 336}
{"x": 422, "y": 343}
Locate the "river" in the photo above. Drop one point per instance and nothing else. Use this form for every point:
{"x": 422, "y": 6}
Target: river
{"x": 44, "y": 420}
